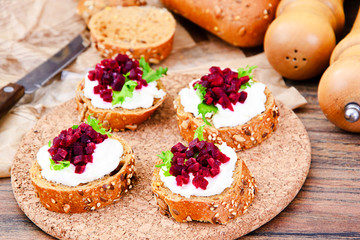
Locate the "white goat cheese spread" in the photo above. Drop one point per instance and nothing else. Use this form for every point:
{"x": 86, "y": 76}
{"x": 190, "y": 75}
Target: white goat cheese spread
{"x": 106, "y": 158}
{"x": 243, "y": 112}
{"x": 142, "y": 98}
{"x": 216, "y": 184}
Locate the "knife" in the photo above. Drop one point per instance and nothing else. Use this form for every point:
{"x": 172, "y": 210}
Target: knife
{"x": 13, "y": 92}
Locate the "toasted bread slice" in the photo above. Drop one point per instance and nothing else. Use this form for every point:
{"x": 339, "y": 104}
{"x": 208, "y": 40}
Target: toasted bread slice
{"x": 135, "y": 31}
{"x": 90, "y": 196}
{"x": 87, "y": 8}
{"x": 240, "y": 137}
{"x": 118, "y": 118}
{"x": 220, "y": 208}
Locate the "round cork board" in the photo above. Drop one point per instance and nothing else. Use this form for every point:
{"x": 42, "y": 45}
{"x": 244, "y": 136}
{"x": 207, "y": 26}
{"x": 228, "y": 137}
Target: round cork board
{"x": 279, "y": 165}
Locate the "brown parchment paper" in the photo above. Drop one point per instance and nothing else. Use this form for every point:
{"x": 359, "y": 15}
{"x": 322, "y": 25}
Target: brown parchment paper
{"x": 32, "y": 31}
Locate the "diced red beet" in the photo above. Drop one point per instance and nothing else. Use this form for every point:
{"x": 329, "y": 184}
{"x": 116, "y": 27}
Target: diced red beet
{"x": 214, "y": 171}
{"x": 90, "y": 148}
{"x": 118, "y": 83}
{"x": 215, "y": 70}
{"x": 200, "y": 182}
{"x": 234, "y": 97}
{"x": 62, "y": 153}
{"x": 91, "y": 75}
{"x": 201, "y": 158}
{"x": 80, "y": 169}
{"x": 57, "y": 158}
{"x": 110, "y": 73}
{"x": 189, "y": 153}
{"x": 194, "y": 167}
{"x": 223, "y": 87}
{"x": 179, "y": 147}
{"x": 243, "y": 96}
{"x": 78, "y": 159}
{"x": 76, "y": 145}
{"x": 175, "y": 170}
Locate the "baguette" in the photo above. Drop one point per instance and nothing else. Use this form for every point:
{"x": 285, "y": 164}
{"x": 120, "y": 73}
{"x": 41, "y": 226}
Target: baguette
{"x": 87, "y": 8}
{"x": 241, "y": 137}
{"x": 219, "y": 208}
{"x": 240, "y": 23}
{"x": 90, "y": 196}
{"x": 118, "y": 118}
{"x": 135, "y": 31}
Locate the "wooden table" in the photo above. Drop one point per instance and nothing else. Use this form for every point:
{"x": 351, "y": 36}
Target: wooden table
{"x": 327, "y": 207}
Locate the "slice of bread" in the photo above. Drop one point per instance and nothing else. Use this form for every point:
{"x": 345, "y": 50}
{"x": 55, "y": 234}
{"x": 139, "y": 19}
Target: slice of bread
{"x": 240, "y": 137}
{"x": 117, "y": 119}
{"x": 87, "y": 8}
{"x": 220, "y": 208}
{"x": 135, "y": 31}
{"x": 90, "y": 196}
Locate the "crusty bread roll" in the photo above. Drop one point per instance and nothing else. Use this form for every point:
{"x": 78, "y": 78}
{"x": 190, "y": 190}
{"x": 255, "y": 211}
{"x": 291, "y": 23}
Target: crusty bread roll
{"x": 241, "y": 137}
{"x": 219, "y": 208}
{"x": 90, "y": 196}
{"x": 240, "y": 23}
{"x": 118, "y": 118}
{"x": 135, "y": 31}
{"x": 87, "y": 8}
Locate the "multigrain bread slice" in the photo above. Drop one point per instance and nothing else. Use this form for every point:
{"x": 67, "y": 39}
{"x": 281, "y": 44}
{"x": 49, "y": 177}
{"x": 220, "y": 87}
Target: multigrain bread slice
{"x": 87, "y": 8}
{"x": 135, "y": 31}
{"x": 90, "y": 196}
{"x": 240, "y": 137}
{"x": 119, "y": 118}
{"x": 220, "y": 208}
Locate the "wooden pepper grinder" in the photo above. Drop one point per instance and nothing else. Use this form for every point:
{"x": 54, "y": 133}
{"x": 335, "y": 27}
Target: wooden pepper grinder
{"x": 339, "y": 87}
{"x": 299, "y": 42}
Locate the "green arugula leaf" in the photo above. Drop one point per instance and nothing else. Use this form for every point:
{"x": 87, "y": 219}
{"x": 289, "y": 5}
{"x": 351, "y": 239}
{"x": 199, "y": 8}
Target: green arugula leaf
{"x": 97, "y": 126}
{"x": 200, "y": 91}
{"x": 149, "y": 75}
{"x": 246, "y": 85}
{"x": 242, "y": 72}
{"x": 49, "y": 144}
{"x": 126, "y": 91}
{"x": 58, "y": 166}
{"x": 199, "y": 133}
{"x": 75, "y": 126}
{"x": 167, "y": 159}
{"x": 203, "y": 109}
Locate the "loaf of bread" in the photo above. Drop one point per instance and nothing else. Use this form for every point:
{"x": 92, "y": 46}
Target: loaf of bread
{"x": 239, "y": 137}
{"x": 135, "y": 31}
{"x": 90, "y": 196}
{"x": 220, "y": 208}
{"x": 240, "y": 23}
{"x": 87, "y": 8}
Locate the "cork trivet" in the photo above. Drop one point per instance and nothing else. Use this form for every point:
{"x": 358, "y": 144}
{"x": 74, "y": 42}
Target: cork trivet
{"x": 279, "y": 165}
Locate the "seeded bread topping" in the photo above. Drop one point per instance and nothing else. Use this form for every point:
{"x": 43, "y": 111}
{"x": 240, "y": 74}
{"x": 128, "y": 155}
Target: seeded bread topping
{"x": 123, "y": 82}
{"x": 105, "y": 159}
{"x": 214, "y": 174}
{"x": 80, "y": 154}
{"x": 142, "y": 98}
{"x": 224, "y": 97}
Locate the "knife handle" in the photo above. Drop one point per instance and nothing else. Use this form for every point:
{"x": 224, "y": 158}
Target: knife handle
{"x": 9, "y": 96}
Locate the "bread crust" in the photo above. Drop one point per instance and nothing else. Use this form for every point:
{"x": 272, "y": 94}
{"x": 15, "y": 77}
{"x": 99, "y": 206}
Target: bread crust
{"x": 240, "y": 137}
{"x": 152, "y": 52}
{"x": 240, "y": 23}
{"x": 220, "y": 208}
{"x": 86, "y": 197}
{"x": 117, "y": 119}
{"x": 87, "y": 8}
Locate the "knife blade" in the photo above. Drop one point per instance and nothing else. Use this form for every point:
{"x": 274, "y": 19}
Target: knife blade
{"x": 13, "y": 92}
